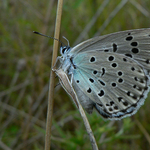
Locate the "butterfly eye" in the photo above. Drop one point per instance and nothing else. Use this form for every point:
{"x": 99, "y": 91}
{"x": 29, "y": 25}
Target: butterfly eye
{"x": 63, "y": 50}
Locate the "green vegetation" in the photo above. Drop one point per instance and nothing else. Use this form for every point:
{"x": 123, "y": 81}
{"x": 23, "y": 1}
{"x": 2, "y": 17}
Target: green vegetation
{"x": 25, "y": 61}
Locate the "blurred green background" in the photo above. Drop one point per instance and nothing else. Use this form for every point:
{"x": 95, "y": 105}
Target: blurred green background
{"x": 25, "y": 61}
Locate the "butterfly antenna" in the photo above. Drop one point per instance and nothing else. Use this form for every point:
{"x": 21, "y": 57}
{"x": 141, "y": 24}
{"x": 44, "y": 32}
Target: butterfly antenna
{"x": 50, "y": 37}
{"x": 67, "y": 41}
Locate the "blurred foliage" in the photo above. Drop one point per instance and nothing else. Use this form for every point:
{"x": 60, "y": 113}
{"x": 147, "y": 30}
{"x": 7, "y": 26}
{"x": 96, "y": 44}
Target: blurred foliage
{"x": 25, "y": 61}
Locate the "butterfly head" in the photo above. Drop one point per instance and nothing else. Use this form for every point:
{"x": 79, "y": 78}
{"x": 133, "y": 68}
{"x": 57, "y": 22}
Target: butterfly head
{"x": 64, "y": 50}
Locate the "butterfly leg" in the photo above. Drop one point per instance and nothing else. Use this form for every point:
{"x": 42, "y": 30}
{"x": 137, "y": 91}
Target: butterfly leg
{"x": 58, "y": 63}
{"x": 71, "y": 80}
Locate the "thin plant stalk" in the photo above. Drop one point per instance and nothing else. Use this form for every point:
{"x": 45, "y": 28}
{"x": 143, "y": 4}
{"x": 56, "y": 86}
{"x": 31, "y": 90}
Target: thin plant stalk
{"x": 66, "y": 84}
{"x": 52, "y": 77}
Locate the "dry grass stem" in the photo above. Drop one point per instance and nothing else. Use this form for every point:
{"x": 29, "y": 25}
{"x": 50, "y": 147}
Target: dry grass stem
{"x": 92, "y": 22}
{"x": 111, "y": 16}
{"x": 140, "y": 8}
{"x": 146, "y": 134}
{"x": 52, "y": 78}
{"x": 64, "y": 80}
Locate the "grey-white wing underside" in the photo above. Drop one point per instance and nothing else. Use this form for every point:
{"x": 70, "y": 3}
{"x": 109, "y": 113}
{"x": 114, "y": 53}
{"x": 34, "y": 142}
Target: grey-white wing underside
{"x": 116, "y": 83}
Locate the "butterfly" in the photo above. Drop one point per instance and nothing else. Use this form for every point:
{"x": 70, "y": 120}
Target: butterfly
{"x": 110, "y": 73}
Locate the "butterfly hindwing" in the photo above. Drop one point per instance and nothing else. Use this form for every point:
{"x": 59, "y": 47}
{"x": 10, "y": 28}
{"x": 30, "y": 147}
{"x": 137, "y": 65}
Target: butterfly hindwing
{"x": 116, "y": 85}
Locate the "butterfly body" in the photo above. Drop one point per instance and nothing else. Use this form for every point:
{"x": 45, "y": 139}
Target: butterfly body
{"x": 110, "y": 73}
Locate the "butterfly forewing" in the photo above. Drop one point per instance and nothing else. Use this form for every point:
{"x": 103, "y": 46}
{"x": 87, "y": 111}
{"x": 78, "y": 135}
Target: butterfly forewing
{"x": 132, "y": 43}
